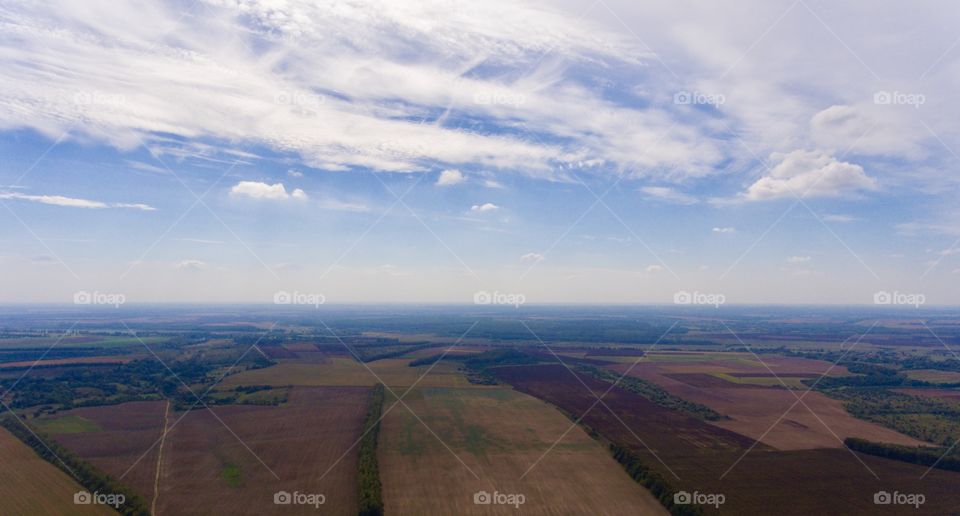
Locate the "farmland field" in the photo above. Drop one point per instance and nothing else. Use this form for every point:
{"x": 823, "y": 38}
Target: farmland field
{"x": 344, "y": 371}
{"x": 207, "y": 469}
{"x": 207, "y": 466}
{"x": 30, "y": 485}
{"x": 695, "y": 455}
{"x": 498, "y": 434}
{"x": 118, "y": 439}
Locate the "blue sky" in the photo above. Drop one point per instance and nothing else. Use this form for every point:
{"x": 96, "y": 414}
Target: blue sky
{"x": 788, "y": 152}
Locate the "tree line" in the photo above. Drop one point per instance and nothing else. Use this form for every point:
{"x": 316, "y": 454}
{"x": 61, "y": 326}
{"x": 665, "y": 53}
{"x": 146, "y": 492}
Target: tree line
{"x": 922, "y": 456}
{"x": 368, "y": 475}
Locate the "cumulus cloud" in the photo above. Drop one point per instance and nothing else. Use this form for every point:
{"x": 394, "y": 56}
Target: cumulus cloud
{"x": 809, "y": 174}
{"x": 485, "y": 207}
{"x": 724, "y": 230}
{"x": 665, "y": 193}
{"x": 258, "y": 190}
{"x": 73, "y": 202}
{"x": 532, "y": 258}
{"x": 190, "y": 265}
{"x": 450, "y": 177}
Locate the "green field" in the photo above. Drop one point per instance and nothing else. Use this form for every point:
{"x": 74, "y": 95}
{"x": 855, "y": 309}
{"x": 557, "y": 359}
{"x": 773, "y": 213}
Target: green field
{"x": 68, "y": 425}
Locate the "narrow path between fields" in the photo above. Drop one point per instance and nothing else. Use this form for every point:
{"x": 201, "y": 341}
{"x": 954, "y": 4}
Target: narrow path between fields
{"x": 156, "y": 478}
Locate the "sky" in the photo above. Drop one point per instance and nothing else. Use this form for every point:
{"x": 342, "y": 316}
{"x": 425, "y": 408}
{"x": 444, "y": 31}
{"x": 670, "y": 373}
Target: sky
{"x": 498, "y": 151}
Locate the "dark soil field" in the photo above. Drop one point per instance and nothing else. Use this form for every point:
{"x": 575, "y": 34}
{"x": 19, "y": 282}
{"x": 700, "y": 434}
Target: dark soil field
{"x": 697, "y": 456}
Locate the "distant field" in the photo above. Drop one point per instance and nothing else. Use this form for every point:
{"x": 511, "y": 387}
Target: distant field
{"x": 348, "y": 372}
{"x": 71, "y": 424}
{"x": 452, "y": 351}
{"x": 498, "y": 433}
{"x": 30, "y": 485}
{"x": 793, "y": 382}
{"x": 758, "y": 404}
{"x": 67, "y": 361}
{"x": 934, "y": 376}
{"x": 83, "y": 341}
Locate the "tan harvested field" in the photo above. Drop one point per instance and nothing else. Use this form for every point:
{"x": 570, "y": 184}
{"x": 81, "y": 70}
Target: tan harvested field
{"x": 30, "y": 485}
{"x": 451, "y": 351}
{"x": 498, "y": 433}
{"x": 206, "y": 469}
{"x": 68, "y": 361}
{"x": 934, "y": 376}
{"x": 755, "y": 408}
{"x": 393, "y": 372}
{"x": 824, "y": 425}
{"x": 124, "y": 443}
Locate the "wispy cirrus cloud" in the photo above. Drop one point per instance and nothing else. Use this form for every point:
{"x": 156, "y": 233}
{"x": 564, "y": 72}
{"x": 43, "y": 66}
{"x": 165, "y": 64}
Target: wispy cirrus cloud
{"x": 73, "y": 202}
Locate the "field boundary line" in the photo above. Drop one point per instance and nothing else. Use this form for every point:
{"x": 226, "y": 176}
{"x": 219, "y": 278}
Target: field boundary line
{"x": 156, "y": 477}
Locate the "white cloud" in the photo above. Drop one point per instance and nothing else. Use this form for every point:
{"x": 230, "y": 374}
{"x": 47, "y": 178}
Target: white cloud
{"x": 668, "y": 194}
{"x": 294, "y": 173}
{"x": 258, "y": 190}
{"x": 532, "y": 258}
{"x": 190, "y": 265}
{"x": 831, "y": 217}
{"x": 202, "y": 241}
{"x": 867, "y": 129}
{"x": 490, "y": 183}
{"x": 73, "y": 202}
{"x": 450, "y": 177}
{"x": 485, "y": 207}
{"x": 798, "y": 259}
{"x": 654, "y": 268}
{"x": 123, "y": 73}
{"x": 809, "y": 174}
{"x": 724, "y": 230}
